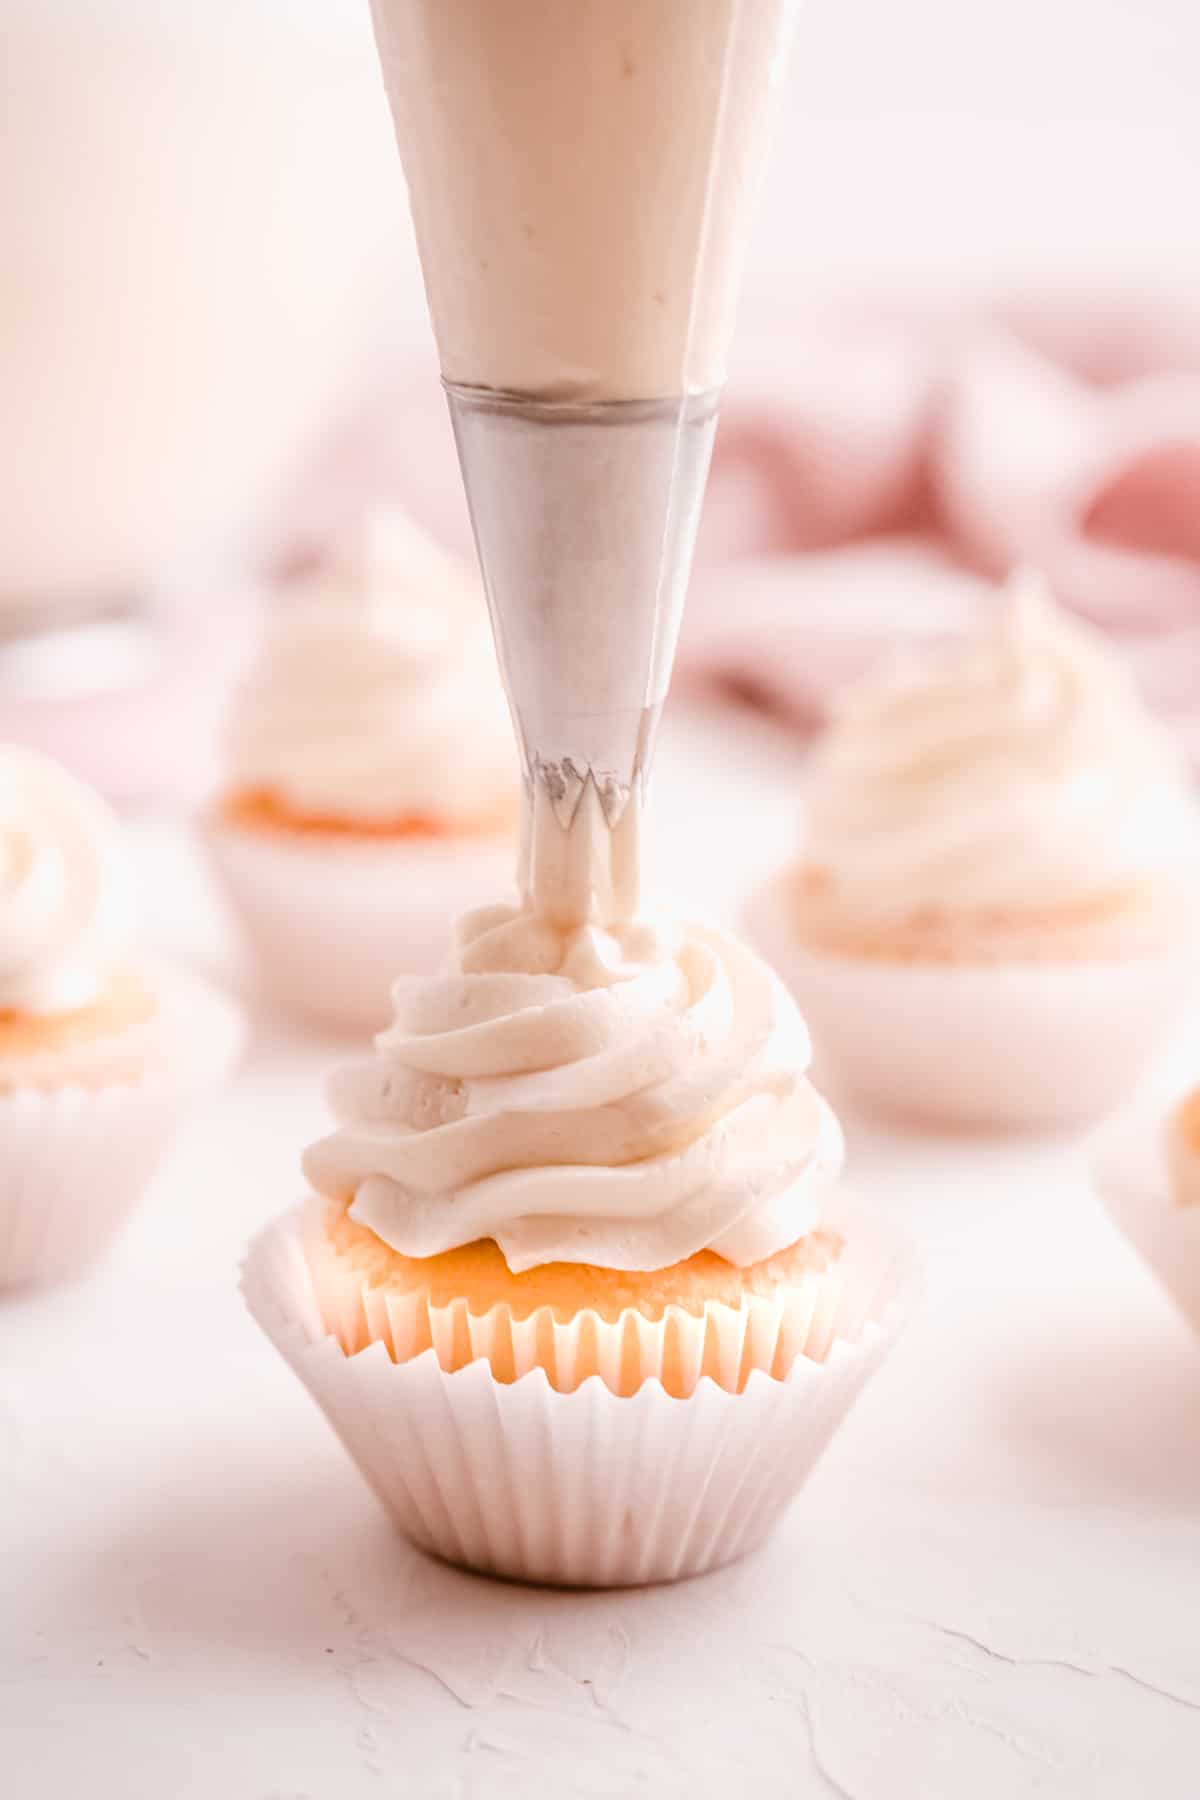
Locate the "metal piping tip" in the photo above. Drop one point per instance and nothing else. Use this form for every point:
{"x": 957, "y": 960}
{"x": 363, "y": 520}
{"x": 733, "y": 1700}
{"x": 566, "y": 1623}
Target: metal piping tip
{"x": 585, "y": 520}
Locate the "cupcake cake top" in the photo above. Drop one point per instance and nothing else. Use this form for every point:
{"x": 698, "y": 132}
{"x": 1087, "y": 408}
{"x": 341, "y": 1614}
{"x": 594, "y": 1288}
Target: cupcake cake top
{"x": 1020, "y": 771}
{"x": 622, "y": 1096}
{"x": 67, "y": 913}
{"x": 375, "y": 697}
{"x": 1183, "y": 1148}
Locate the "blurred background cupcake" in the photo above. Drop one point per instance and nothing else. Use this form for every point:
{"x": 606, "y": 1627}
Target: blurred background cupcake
{"x": 99, "y": 1048}
{"x": 372, "y": 787}
{"x": 994, "y": 919}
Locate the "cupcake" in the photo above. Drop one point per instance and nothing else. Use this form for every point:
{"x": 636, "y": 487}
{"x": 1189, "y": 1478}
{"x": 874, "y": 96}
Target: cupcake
{"x": 576, "y": 1282}
{"x": 1148, "y": 1175}
{"x": 372, "y": 786}
{"x": 993, "y": 922}
{"x": 98, "y": 1047}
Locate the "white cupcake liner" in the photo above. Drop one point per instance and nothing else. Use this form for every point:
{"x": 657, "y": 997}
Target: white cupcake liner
{"x": 1133, "y": 1178}
{"x": 1004, "y": 1045}
{"x": 331, "y": 923}
{"x": 721, "y": 1341}
{"x": 585, "y": 1488}
{"x": 75, "y": 1158}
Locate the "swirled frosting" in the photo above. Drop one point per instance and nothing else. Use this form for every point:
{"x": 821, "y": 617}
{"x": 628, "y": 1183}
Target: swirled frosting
{"x": 375, "y": 695}
{"x": 621, "y": 1097}
{"x": 1019, "y": 771}
{"x": 67, "y": 912}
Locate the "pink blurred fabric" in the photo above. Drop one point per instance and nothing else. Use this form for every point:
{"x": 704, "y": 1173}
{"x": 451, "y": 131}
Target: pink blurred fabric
{"x": 879, "y": 471}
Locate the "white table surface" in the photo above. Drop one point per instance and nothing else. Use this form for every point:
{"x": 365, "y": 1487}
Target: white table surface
{"x": 989, "y": 1589}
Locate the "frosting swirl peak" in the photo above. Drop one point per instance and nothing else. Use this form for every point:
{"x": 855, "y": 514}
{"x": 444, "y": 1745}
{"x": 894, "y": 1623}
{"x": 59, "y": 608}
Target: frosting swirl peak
{"x": 67, "y": 909}
{"x": 622, "y": 1097}
{"x": 375, "y": 696}
{"x": 1021, "y": 770}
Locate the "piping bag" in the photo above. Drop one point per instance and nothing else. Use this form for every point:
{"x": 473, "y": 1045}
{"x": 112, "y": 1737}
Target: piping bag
{"x": 581, "y": 175}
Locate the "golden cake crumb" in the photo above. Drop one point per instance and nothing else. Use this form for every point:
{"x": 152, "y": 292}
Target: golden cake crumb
{"x": 1125, "y": 922}
{"x": 1187, "y": 1120}
{"x": 1183, "y": 1149}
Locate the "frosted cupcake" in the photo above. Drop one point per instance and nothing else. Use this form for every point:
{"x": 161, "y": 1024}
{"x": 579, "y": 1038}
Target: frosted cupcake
{"x": 576, "y": 1283}
{"x": 98, "y": 1048}
{"x": 994, "y": 921}
{"x": 1148, "y": 1174}
{"x": 372, "y": 786}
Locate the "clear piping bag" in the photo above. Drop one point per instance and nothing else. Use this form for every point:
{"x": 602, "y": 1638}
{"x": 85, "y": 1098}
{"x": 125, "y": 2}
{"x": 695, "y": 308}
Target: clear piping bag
{"x": 581, "y": 179}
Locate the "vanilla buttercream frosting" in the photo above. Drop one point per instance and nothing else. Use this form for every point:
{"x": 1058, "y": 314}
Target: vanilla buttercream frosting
{"x": 622, "y": 1097}
{"x": 1018, "y": 771}
{"x": 67, "y": 910}
{"x": 375, "y": 696}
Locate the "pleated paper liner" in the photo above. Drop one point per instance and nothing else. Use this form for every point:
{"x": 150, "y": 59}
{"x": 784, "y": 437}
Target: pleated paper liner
{"x": 77, "y": 1157}
{"x": 994, "y": 1045}
{"x": 589, "y": 1487}
{"x": 75, "y": 1162}
{"x": 720, "y": 1341}
{"x": 1133, "y": 1178}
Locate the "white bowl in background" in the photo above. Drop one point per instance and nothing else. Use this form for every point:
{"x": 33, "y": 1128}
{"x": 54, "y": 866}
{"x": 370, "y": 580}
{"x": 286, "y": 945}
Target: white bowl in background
{"x": 200, "y": 207}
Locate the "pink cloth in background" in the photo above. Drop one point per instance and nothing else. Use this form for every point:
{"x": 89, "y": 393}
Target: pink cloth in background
{"x": 878, "y": 472}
